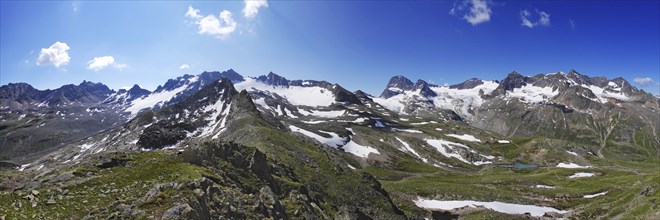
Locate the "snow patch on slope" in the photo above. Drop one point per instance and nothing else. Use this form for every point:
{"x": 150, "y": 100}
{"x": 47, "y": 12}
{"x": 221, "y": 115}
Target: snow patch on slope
{"x": 407, "y": 148}
{"x": 323, "y": 114}
{"x": 581, "y": 175}
{"x": 152, "y": 100}
{"x": 333, "y": 141}
{"x": 296, "y": 95}
{"x": 602, "y": 94}
{"x": 359, "y": 150}
{"x": 509, "y": 208}
{"x": 571, "y": 166}
{"x": 465, "y": 137}
{"x": 451, "y": 149}
{"x": 595, "y": 195}
{"x": 532, "y": 94}
{"x": 461, "y": 100}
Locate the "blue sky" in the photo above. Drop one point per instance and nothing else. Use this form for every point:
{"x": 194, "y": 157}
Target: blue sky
{"x": 358, "y": 44}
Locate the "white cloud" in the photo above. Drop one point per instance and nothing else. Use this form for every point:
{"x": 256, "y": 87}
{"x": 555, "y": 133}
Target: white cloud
{"x": 525, "y": 21}
{"x": 474, "y": 11}
{"x": 545, "y": 18}
{"x": 572, "y": 23}
{"x": 219, "y": 27}
{"x": 121, "y": 66}
{"x": 252, "y": 7}
{"x": 643, "y": 81}
{"x": 525, "y": 16}
{"x": 55, "y": 55}
{"x": 184, "y": 66}
{"x": 75, "y": 7}
{"x": 99, "y": 63}
{"x": 193, "y": 13}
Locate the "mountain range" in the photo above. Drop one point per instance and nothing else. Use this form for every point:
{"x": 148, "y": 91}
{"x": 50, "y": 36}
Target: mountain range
{"x": 220, "y": 144}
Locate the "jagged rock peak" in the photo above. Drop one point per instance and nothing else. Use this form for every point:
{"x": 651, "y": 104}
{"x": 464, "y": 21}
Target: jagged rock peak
{"x": 513, "y": 80}
{"x": 420, "y": 83}
{"x": 18, "y": 92}
{"x": 136, "y": 87}
{"x": 578, "y": 78}
{"x": 424, "y": 89}
{"x": 514, "y": 74}
{"x": 273, "y": 80}
{"x": 242, "y": 105}
{"x": 361, "y": 93}
{"x": 400, "y": 82}
{"x": 214, "y": 75}
{"x": 397, "y": 85}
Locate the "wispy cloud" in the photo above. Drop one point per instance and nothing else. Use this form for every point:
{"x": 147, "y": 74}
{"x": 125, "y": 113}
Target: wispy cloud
{"x": 184, "y": 66}
{"x": 473, "y": 11}
{"x": 75, "y": 7}
{"x": 524, "y": 14}
{"x": 572, "y": 23}
{"x": 252, "y": 7}
{"x": 544, "y": 19}
{"x": 99, "y": 63}
{"x": 645, "y": 81}
{"x": 220, "y": 27}
{"x": 525, "y": 17}
{"x": 56, "y": 55}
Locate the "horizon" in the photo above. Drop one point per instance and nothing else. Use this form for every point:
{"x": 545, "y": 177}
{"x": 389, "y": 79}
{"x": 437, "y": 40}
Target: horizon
{"x": 444, "y": 42}
{"x": 374, "y": 93}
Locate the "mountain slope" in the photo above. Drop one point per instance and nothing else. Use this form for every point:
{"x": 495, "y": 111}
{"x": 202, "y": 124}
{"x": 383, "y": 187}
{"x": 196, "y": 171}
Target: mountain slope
{"x": 595, "y": 111}
{"x": 557, "y": 145}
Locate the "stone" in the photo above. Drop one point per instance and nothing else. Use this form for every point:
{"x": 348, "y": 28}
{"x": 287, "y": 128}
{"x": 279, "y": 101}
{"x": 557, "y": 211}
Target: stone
{"x": 177, "y": 212}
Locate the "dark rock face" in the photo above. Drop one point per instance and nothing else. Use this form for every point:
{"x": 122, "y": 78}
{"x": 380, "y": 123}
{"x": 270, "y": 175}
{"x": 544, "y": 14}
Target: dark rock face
{"x": 512, "y": 81}
{"x": 343, "y": 95}
{"x": 85, "y": 92}
{"x": 443, "y": 215}
{"x": 424, "y": 88}
{"x": 21, "y": 92}
{"x": 468, "y": 84}
{"x": 401, "y": 82}
{"x": 160, "y": 135}
{"x": 243, "y": 106}
{"x": 230, "y": 74}
{"x": 8, "y": 165}
{"x": 136, "y": 92}
{"x": 363, "y": 96}
{"x": 273, "y": 80}
{"x": 258, "y": 164}
{"x": 578, "y": 78}
{"x": 398, "y": 82}
{"x": 169, "y": 130}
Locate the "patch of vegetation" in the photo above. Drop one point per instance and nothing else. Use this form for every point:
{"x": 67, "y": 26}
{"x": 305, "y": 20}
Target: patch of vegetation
{"x": 95, "y": 190}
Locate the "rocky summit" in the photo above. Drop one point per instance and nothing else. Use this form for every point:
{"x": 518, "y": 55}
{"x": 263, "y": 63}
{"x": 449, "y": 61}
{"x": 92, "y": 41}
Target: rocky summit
{"x": 220, "y": 145}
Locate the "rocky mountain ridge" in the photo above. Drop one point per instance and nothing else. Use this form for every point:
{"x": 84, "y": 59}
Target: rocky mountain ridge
{"x": 313, "y": 149}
